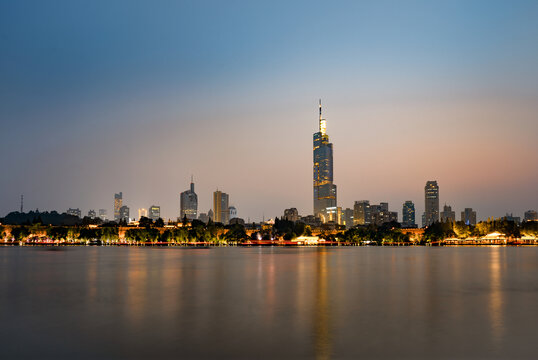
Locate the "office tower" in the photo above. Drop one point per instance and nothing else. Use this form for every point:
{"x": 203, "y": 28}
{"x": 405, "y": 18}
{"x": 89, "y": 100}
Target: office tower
{"x": 324, "y": 189}
{"x": 102, "y": 214}
{"x": 531, "y": 215}
{"x": 211, "y": 215}
{"x": 92, "y": 214}
{"x": 380, "y": 214}
{"x": 468, "y": 216}
{"x": 361, "y": 212}
{"x": 203, "y": 217}
{"x": 431, "y": 199}
{"x": 220, "y": 207}
{"x": 118, "y": 203}
{"x": 408, "y": 215}
{"x": 124, "y": 213}
{"x": 189, "y": 203}
{"x": 348, "y": 218}
{"x": 291, "y": 214}
{"x": 232, "y": 212}
{"x": 511, "y": 217}
{"x": 154, "y": 212}
{"x": 142, "y": 213}
{"x": 447, "y": 214}
{"x": 74, "y": 212}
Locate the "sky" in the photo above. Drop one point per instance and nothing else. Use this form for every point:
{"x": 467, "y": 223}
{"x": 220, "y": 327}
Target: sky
{"x": 98, "y": 97}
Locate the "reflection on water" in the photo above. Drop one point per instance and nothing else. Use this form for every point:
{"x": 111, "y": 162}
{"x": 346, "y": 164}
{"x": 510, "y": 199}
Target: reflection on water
{"x": 269, "y": 303}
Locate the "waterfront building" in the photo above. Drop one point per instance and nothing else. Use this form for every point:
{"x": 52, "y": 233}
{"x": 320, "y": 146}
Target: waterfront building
{"x": 75, "y": 212}
{"x": 142, "y": 213}
{"x": 447, "y": 214}
{"x": 92, "y": 214}
{"x": 431, "y": 199}
{"x": 530, "y": 215}
{"x": 468, "y": 216}
{"x": 102, "y": 214}
{"x": 291, "y": 214}
{"x": 154, "y": 212}
{"x": 324, "y": 189}
{"x": 189, "y": 203}
{"x": 220, "y": 207}
{"x": 124, "y": 213}
{"x": 361, "y": 212}
{"x": 118, "y": 203}
{"x": 408, "y": 214}
{"x": 348, "y": 218}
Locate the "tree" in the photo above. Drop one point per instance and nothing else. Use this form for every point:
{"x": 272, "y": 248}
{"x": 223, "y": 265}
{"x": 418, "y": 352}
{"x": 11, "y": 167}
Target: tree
{"x": 236, "y": 233}
{"x": 159, "y": 222}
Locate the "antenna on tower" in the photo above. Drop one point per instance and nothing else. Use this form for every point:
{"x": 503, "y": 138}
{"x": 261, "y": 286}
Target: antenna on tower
{"x": 22, "y": 203}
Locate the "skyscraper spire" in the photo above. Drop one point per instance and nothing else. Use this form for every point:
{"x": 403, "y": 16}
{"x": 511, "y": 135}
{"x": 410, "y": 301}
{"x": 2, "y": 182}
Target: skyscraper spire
{"x": 322, "y": 121}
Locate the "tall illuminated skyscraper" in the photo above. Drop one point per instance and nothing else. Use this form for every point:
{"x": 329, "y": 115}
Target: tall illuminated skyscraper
{"x": 220, "y": 207}
{"x": 408, "y": 214}
{"x": 189, "y": 203}
{"x": 118, "y": 203}
{"x": 431, "y": 202}
{"x": 324, "y": 189}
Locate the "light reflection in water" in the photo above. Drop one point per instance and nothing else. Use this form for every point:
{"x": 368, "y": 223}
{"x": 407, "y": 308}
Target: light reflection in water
{"x": 496, "y": 296}
{"x": 322, "y": 310}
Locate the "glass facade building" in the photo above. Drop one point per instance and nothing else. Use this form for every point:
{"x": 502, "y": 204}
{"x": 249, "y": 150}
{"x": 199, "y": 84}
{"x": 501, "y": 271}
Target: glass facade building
{"x": 189, "y": 203}
{"x": 324, "y": 190}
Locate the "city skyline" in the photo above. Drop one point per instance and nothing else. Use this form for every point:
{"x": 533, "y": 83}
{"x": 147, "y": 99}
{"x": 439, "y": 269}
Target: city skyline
{"x": 413, "y": 92}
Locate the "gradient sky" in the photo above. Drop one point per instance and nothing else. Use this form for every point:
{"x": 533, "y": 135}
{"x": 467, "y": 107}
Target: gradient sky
{"x": 98, "y": 97}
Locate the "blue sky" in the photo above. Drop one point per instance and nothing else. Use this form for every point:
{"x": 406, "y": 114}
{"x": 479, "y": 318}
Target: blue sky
{"x": 98, "y": 97}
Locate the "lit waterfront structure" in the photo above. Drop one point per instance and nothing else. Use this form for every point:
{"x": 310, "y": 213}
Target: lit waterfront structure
{"x": 92, "y": 214}
{"x": 142, "y": 213}
{"x": 154, "y": 212}
{"x": 408, "y": 214}
{"x": 118, "y": 203}
{"x": 189, "y": 203}
{"x": 74, "y": 212}
{"x": 102, "y": 214}
{"x": 124, "y": 213}
{"x": 291, "y": 214}
{"x": 220, "y": 207}
{"x": 530, "y": 215}
{"x": 361, "y": 212}
{"x": 468, "y": 216}
{"x": 431, "y": 202}
{"x": 324, "y": 189}
{"x": 447, "y": 214}
{"x": 348, "y": 218}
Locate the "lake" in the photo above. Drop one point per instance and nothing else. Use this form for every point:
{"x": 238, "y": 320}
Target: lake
{"x": 269, "y": 302}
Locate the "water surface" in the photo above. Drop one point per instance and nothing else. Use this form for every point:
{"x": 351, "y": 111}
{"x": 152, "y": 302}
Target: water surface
{"x": 267, "y": 303}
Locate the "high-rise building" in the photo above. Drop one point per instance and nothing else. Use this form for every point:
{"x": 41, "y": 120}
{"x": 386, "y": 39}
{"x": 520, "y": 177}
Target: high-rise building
{"x": 154, "y": 212}
{"x": 118, "y": 203}
{"x": 92, "y": 214}
{"x": 348, "y": 218}
{"x": 75, "y": 212}
{"x": 431, "y": 199}
{"x": 361, "y": 212}
{"x": 211, "y": 215}
{"x": 291, "y": 214}
{"x": 324, "y": 189}
{"x": 232, "y": 212}
{"x": 447, "y": 214}
{"x": 142, "y": 213}
{"x": 380, "y": 214}
{"x": 203, "y": 217}
{"x": 124, "y": 213}
{"x": 511, "y": 217}
{"x": 102, "y": 214}
{"x": 408, "y": 214}
{"x": 189, "y": 203}
{"x": 468, "y": 216}
{"x": 530, "y": 215}
{"x": 220, "y": 207}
